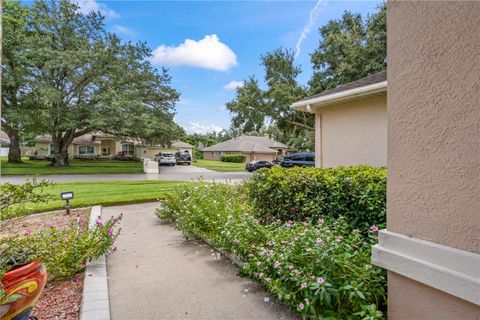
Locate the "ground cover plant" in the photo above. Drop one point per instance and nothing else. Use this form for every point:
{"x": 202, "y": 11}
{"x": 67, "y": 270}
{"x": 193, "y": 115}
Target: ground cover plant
{"x": 32, "y": 167}
{"x": 97, "y": 193}
{"x": 318, "y": 268}
{"x": 357, "y": 193}
{"x": 219, "y": 165}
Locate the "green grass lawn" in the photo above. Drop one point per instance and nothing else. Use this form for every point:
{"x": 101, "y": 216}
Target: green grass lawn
{"x": 105, "y": 193}
{"x": 76, "y": 167}
{"x": 219, "y": 165}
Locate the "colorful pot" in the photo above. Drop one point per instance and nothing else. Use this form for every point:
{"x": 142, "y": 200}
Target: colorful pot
{"x": 20, "y": 289}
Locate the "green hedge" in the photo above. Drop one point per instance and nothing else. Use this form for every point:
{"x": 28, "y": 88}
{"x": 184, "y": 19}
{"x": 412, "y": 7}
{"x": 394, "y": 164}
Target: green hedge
{"x": 237, "y": 158}
{"x": 357, "y": 193}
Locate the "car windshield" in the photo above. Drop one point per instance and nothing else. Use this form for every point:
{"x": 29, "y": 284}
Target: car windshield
{"x": 168, "y": 155}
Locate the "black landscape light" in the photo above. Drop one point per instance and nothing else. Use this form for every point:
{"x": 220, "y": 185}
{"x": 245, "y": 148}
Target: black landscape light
{"x": 67, "y": 196}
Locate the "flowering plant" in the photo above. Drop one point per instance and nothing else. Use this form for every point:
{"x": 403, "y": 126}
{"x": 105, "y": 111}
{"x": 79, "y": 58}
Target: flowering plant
{"x": 63, "y": 251}
{"x": 319, "y": 268}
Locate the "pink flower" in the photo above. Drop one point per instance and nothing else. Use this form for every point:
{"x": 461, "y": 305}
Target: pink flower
{"x": 304, "y": 285}
{"x": 320, "y": 280}
{"x": 250, "y": 254}
{"x": 271, "y": 253}
{"x": 50, "y": 225}
{"x": 301, "y": 306}
{"x": 77, "y": 280}
{"x": 110, "y": 232}
{"x": 258, "y": 263}
{"x": 319, "y": 240}
{"x": 321, "y": 221}
{"x": 308, "y": 249}
{"x": 338, "y": 238}
{"x": 276, "y": 264}
{"x": 263, "y": 250}
{"x": 27, "y": 233}
{"x": 99, "y": 223}
{"x": 374, "y": 228}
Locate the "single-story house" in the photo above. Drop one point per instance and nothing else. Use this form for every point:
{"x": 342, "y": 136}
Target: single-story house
{"x": 350, "y": 123}
{"x": 252, "y": 147}
{"x": 102, "y": 144}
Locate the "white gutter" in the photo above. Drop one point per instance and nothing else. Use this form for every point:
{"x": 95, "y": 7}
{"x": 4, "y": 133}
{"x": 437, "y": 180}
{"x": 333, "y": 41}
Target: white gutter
{"x": 309, "y": 105}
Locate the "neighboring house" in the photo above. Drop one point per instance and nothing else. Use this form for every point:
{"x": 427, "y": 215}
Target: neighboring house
{"x": 101, "y": 144}
{"x": 4, "y": 144}
{"x": 252, "y": 147}
{"x": 350, "y": 123}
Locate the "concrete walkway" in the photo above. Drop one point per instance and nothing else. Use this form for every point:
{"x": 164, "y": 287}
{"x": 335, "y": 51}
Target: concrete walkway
{"x": 157, "y": 274}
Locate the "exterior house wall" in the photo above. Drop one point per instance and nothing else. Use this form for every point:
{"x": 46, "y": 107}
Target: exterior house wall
{"x": 42, "y": 148}
{"x": 210, "y": 155}
{"x": 433, "y": 150}
{"x": 352, "y": 133}
{"x": 264, "y": 156}
{"x": 150, "y": 152}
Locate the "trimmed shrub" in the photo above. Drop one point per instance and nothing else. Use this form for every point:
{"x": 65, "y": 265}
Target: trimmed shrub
{"x": 237, "y": 158}
{"x": 358, "y": 193}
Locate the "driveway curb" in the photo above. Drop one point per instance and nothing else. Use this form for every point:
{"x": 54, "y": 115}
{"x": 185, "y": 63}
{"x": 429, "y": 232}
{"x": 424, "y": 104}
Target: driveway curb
{"x": 95, "y": 300}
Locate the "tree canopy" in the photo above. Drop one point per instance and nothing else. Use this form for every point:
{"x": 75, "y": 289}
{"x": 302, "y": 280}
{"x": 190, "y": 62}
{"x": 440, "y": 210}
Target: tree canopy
{"x": 350, "y": 48}
{"x": 268, "y": 110}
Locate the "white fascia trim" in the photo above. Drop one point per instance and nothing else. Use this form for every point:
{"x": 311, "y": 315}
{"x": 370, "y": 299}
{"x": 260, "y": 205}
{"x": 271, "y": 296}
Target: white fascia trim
{"x": 447, "y": 269}
{"x": 305, "y": 105}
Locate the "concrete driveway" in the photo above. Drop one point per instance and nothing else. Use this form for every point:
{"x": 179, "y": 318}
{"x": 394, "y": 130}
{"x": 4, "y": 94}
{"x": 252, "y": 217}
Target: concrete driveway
{"x": 156, "y": 274}
{"x": 177, "y": 173}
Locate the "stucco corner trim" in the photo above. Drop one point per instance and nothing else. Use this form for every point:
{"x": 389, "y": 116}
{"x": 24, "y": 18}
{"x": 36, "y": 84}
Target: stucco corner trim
{"x": 447, "y": 269}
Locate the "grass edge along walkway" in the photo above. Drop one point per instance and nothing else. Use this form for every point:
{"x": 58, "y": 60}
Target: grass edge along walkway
{"x": 105, "y": 193}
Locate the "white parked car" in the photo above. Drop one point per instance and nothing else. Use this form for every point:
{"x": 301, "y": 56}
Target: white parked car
{"x": 165, "y": 158}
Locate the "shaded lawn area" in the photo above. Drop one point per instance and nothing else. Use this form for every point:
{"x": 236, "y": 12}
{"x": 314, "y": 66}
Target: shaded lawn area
{"x": 76, "y": 167}
{"x": 105, "y": 193}
{"x": 219, "y": 165}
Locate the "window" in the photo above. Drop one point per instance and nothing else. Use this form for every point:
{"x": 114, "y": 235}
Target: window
{"x": 309, "y": 157}
{"x": 298, "y": 157}
{"x": 127, "y": 149}
{"x": 86, "y": 150}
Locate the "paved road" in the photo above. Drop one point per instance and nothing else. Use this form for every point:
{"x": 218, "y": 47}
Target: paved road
{"x": 181, "y": 173}
{"x": 157, "y": 274}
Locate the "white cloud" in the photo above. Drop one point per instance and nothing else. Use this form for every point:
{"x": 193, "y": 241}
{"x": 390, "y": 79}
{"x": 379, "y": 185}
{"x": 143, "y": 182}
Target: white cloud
{"x": 87, "y": 6}
{"x": 194, "y": 127}
{"x": 124, "y": 30}
{"x": 232, "y": 85}
{"x": 314, "y": 15}
{"x": 209, "y": 53}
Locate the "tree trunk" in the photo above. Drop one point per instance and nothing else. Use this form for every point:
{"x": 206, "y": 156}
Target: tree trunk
{"x": 14, "y": 154}
{"x": 60, "y": 149}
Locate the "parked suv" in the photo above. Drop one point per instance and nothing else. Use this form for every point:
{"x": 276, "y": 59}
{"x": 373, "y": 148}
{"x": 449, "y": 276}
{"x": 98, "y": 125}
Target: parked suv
{"x": 183, "y": 158}
{"x": 255, "y": 165}
{"x": 165, "y": 158}
{"x": 300, "y": 159}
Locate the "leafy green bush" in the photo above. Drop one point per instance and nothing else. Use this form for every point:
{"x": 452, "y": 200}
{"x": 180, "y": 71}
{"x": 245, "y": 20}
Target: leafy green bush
{"x": 357, "y": 193}
{"x": 214, "y": 211}
{"x": 318, "y": 269}
{"x": 64, "y": 252}
{"x": 237, "y": 158}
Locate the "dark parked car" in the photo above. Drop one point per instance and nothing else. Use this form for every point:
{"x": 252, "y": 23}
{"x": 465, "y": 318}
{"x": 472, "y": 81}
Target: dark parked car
{"x": 183, "y": 158}
{"x": 300, "y": 159}
{"x": 255, "y": 165}
{"x": 277, "y": 161}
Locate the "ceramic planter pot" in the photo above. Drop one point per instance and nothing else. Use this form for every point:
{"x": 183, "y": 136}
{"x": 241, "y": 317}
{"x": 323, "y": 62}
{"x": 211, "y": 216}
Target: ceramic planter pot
{"x": 20, "y": 289}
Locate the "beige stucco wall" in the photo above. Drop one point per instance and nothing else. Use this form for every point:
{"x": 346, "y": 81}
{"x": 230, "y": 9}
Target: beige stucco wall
{"x": 150, "y": 152}
{"x": 433, "y": 141}
{"x": 352, "y": 133}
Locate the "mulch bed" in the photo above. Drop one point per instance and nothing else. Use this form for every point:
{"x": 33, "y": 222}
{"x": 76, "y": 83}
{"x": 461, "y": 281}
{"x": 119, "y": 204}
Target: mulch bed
{"x": 60, "y": 300}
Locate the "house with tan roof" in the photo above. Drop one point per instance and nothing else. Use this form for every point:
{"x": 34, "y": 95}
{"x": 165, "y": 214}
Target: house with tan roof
{"x": 350, "y": 122}
{"x": 252, "y": 147}
{"x": 106, "y": 145}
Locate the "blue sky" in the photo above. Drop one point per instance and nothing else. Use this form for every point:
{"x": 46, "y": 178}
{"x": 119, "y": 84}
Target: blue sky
{"x": 226, "y": 41}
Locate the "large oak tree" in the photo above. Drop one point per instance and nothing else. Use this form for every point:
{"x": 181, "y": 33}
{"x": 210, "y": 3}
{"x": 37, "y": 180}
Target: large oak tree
{"x": 84, "y": 79}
